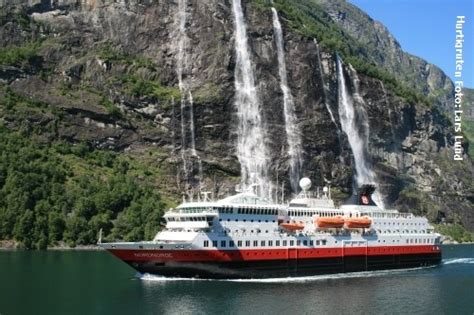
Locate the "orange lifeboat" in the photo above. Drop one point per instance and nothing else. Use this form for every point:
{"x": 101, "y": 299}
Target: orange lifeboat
{"x": 292, "y": 226}
{"x": 358, "y": 223}
{"x": 330, "y": 222}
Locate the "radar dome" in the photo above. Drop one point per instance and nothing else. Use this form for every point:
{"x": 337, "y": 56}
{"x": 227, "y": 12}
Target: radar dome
{"x": 305, "y": 183}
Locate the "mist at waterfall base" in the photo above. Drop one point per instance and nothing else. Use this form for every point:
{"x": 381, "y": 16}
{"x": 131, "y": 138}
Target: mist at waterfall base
{"x": 354, "y": 123}
{"x": 74, "y": 282}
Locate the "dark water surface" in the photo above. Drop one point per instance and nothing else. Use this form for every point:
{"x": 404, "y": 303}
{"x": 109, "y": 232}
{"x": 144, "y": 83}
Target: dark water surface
{"x": 97, "y": 283}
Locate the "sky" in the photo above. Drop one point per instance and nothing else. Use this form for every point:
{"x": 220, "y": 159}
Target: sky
{"x": 426, "y": 28}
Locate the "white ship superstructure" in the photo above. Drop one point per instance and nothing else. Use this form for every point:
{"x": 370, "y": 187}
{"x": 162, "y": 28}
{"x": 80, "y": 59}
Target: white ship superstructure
{"x": 246, "y": 236}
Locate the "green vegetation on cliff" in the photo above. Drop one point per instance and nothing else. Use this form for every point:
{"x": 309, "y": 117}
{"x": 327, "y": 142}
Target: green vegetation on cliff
{"x": 18, "y": 55}
{"x": 56, "y": 191}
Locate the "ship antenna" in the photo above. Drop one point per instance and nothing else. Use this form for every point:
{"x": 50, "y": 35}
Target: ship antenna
{"x": 282, "y": 193}
{"x": 327, "y": 188}
{"x": 276, "y": 193}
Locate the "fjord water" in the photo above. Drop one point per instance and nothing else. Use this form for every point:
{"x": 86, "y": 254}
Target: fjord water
{"x": 74, "y": 282}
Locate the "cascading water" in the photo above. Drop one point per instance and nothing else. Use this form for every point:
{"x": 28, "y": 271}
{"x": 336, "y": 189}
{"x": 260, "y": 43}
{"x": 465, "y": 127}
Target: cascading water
{"x": 182, "y": 68}
{"x": 354, "y": 123}
{"x": 251, "y": 147}
{"x": 321, "y": 74}
{"x": 295, "y": 149}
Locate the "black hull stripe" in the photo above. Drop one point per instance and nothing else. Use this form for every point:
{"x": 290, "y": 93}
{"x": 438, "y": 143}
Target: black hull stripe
{"x": 285, "y": 268}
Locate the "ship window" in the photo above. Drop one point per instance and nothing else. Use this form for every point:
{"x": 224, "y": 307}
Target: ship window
{"x": 214, "y": 243}
{"x": 298, "y": 242}
{"x": 247, "y": 243}
{"x": 305, "y": 242}
{"x": 228, "y": 220}
{"x": 292, "y": 243}
{"x": 262, "y": 243}
{"x": 255, "y": 243}
{"x": 311, "y": 243}
{"x": 223, "y": 243}
{"x": 239, "y": 243}
{"x": 284, "y": 243}
{"x": 270, "y": 243}
{"x": 206, "y": 243}
{"x": 277, "y": 243}
{"x": 251, "y": 220}
{"x": 231, "y": 244}
{"x": 317, "y": 243}
{"x": 324, "y": 242}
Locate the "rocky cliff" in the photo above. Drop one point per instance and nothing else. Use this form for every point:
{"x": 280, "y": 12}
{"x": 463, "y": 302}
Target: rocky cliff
{"x": 105, "y": 74}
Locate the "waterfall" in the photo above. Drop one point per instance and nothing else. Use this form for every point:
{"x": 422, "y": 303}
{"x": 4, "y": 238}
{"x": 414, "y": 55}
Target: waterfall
{"x": 251, "y": 148}
{"x": 295, "y": 149}
{"x": 191, "y": 121}
{"x": 354, "y": 123}
{"x": 187, "y": 102}
{"x": 321, "y": 74}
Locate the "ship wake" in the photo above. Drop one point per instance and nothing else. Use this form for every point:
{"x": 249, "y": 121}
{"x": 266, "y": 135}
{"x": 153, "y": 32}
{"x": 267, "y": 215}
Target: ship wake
{"x": 350, "y": 275}
{"x": 458, "y": 261}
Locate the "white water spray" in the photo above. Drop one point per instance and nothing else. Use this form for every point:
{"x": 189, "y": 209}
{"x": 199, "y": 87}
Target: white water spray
{"x": 251, "y": 147}
{"x": 354, "y": 123}
{"x": 295, "y": 149}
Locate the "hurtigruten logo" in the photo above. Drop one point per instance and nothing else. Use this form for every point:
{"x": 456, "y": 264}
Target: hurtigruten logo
{"x": 458, "y": 85}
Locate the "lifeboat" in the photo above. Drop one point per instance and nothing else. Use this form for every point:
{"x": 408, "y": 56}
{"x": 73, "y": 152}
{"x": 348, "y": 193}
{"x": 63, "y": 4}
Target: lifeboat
{"x": 358, "y": 223}
{"x": 330, "y": 222}
{"x": 292, "y": 226}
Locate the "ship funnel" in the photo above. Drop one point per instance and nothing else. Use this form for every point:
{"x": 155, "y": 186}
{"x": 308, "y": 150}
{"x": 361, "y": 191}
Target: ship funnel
{"x": 362, "y": 197}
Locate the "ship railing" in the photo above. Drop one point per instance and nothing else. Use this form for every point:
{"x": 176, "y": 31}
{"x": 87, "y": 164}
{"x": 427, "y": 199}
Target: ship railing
{"x": 193, "y": 211}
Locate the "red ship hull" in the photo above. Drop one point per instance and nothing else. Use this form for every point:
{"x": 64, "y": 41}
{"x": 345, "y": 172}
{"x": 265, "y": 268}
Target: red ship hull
{"x": 271, "y": 263}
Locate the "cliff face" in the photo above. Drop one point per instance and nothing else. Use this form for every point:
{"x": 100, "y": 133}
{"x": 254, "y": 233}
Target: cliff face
{"x": 107, "y": 73}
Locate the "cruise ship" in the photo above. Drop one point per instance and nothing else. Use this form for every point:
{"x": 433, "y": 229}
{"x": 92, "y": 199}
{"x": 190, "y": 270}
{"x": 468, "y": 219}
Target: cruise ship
{"x": 244, "y": 236}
